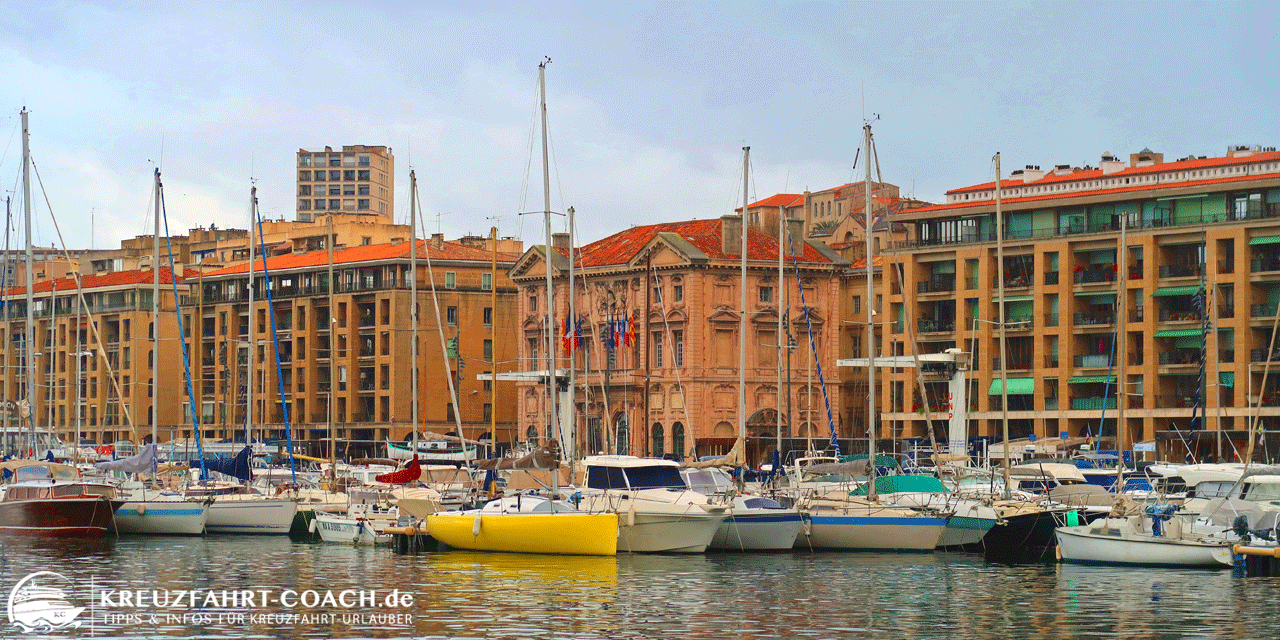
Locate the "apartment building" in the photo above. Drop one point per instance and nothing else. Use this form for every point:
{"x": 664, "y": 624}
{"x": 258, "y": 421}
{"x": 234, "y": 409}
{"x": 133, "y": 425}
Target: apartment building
{"x": 1192, "y": 372}
{"x": 358, "y": 180}
{"x": 349, "y": 358}
{"x": 658, "y": 308}
{"x": 110, "y": 355}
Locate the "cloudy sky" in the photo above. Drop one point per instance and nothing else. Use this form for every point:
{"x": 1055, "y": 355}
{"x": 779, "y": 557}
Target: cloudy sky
{"x": 649, "y": 104}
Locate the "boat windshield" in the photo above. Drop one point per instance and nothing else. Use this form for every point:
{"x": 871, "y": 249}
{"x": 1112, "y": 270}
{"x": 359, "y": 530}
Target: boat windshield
{"x": 1261, "y": 491}
{"x": 656, "y": 477}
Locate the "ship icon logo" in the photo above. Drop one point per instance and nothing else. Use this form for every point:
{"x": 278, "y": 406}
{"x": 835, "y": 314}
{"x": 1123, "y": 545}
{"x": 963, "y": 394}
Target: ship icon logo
{"x": 39, "y": 603}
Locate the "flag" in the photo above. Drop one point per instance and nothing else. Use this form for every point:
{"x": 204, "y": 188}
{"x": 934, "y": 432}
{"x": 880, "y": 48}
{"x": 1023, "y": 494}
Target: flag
{"x": 566, "y": 335}
{"x": 631, "y": 331}
{"x": 577, "y": 331}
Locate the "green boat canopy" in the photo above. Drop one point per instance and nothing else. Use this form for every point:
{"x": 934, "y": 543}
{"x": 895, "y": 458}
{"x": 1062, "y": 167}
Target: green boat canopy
{"x": 900, "y": 484}
{"x": 1265, "y": 240}
{"x": 882, "y": 460}
{"x": 1017, "y": 386}
{"x": 1188, "y": 290}
{"x": 1089, "y": 379}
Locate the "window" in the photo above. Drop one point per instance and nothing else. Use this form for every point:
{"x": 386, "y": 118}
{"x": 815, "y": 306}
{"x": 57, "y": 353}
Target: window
{"x": 488, "y": 350}
{"x": 366, "y": 240}
{"x": 532, "y": 435}
{"x": 486, "y": 282}
{"x": 488, "y": 316}
{"x": 335, "y": 160}
{"x": 335, "y": 204}
{"x": 362, "y": 189}
{"x": 362, "y": 204}
{"x": 488, "y": 383}
{"x": 451, "y": 280}
{"x": 349, "y": 204}
{"x": 363, "y": 174}
{"x": 678, "y": 292}
{"x": 657, "y": 350}
{"x": 451, "y": 315}
{"x": 488, "y": 412}
{"x": 363, "y": 160}
{"x": 857, "y": 304}
{"x": 304, "y": 190}
{"x": 305, "y": 176}
{"x": 766, "y": 295}
{"x": 335, "y": 176}
{"x": 677, "y": 347}
{"x": 320, "y": 204}
{"x": 533, "y": 304}
{"x": 659, "y": 442}
{"x": 304, "y": 205}
{"x": 334, "y": 190}
{"x": 533, "y": 349}
{"x": 304, "y": 161}
{"x": 349, "y": 174}
{"x": 348, "y": 189}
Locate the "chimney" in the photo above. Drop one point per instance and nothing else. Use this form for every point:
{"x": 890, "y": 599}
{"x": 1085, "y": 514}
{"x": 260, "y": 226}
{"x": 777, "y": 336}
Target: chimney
{"x": 1110, "y": 164}
{"x": 1145, "y": 158}
{"x": 731, "y": 234}
{"x": 795, "y": 229}
{"x": 437, "y": 240}
{"x": 560, "y": 241}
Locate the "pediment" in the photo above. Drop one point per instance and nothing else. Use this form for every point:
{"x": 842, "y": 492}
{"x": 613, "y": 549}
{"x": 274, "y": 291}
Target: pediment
{"x": 533, "y": 264}
{"x": 723, "y": 315}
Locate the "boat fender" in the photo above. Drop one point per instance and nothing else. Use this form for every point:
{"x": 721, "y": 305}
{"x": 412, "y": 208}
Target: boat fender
{"x": 410, "y": 531}
{"x": 1058, "y": 551}
{"x": 311, "y": 528}
{"x": 142, "y": 509}
{"x": 631, "y": 515}
{"x": 475, "y": 527}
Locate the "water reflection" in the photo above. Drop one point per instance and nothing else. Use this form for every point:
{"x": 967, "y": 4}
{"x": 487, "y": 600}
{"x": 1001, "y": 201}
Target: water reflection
{"x": 802, "y": 595}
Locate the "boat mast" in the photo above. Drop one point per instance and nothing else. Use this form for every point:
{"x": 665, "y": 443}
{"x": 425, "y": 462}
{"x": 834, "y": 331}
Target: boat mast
{"x": 571, "y": 421}
{"x": 155, "y": 312}
{"x": 552, "y": 383}
{"x": 52, "y": 342}
{"x": 8, "y": 319}
{"x": 1121, "y": 396}
{"x": 29, "y": 336}
{"x": 742, "y": 296}
{"x": 1004, "y": 383}
{"x": 250, "y": 349}
{"x": 76, "y": 397}
{"x": 871, "y": 324}
{"x": 333, "y": 441}
{"x": 413, "y": 304}
{"x": 493, "y": 340}
{"x": 777, "y": 358}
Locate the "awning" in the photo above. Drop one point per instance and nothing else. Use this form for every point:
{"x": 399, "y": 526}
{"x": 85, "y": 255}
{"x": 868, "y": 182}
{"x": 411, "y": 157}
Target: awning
{"x": 1014, "y": 298}
{"x": 1090, "y": 379}
{"x": 1227, "y": 379}
{"x": 1097, "y": 294}
{"x": 1176, "y": 291}
{"x": 1177, "y": 333}
{"x": 1017, "y": 386}
{"x": 1265, "y": 240}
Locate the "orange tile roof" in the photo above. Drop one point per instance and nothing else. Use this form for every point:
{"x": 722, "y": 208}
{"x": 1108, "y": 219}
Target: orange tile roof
{"x": 1059, "y": 195}
{"x": 876, "y": 263}
{"x": 779, "y": 200}
{"x": 367, "y": 253}
{"x": 620, "y": 248}
{"x": 1094, "y": 174}
{"x": 96, "y": 281}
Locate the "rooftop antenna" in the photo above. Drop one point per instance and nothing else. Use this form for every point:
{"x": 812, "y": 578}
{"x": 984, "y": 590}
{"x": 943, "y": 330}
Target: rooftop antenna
{"x": 92, "y": 210}
{"x": 440, "y": 214}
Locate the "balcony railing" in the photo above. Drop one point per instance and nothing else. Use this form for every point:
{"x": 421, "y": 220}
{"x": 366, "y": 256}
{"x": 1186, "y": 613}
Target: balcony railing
{"x": 1093, "y": 404}
{"x": 1180, "y": 356}
{"x": 1051, "y": 362}
{"x": 1136, "y": 314}
{"x": 1092, "y": 276}
{"x": 971, "y": 283}
{"x": 1227, "y": 356}
{"x": 1020, "y": 323}
{"x": 937, "y": 284}
{"x": 936, "y": 326}
{"x": 1170, "y": 315}
{"x": 1050, "y": 404}
{"x": 1179, "y": 270}
{"x": 1095, "y": 360}
{"x": 1264, "y": 263}
{"x": 1086, "y": 319}
{"x": 1051, "y": 319}
{"x": 1015, "y": 281}
{"x": 1260, "y": 355}
{"x": 1014, "y": 364}
{"x": 1051, "y": 277}
{"x": 1264, "y": 310}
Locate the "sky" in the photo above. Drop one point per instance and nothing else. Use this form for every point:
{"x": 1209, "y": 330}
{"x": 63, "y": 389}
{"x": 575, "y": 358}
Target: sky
{"x": 649, "y": 104}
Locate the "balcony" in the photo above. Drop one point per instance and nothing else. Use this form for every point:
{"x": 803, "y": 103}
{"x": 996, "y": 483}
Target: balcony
{"x": 1092, "y": 361}
{"x": 936, "y": 326}
{"x": 1050, "y": 319}
{"x": 1179, "y": 271}
{"x": 1093, "y": 276}
{"x": 1019, "y": 323}
{"x": 970, "y": 283}
{"x": 1260, "y": 355}
{"x": 1227, "y": 356}
{"x": 1180, "y": 357}
{"x": 1264, "y": 310}
{"x": 1170, "y": 315}
{"x": 1051, "y": 278}
{"x": 1014, "y": 365}
{"x": 1051, "y": 362}
{"x": 1093, "y": 319}
{"x": 1136, "y": 314}
{"x": 1050, "y": 404}
{"x": 366, "y": 321}
{"x": 1015, "y": 281}
{"x": 1264, "y": 263}
{"x": 1092, "y": 404}
{"x": 937, "y": 284}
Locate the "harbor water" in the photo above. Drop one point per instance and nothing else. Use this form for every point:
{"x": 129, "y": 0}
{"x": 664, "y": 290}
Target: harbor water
{"x": 160, "y": 588}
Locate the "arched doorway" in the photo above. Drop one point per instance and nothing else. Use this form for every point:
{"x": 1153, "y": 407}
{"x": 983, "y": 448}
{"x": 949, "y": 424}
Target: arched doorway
{"x": 659, "y": 440}
{"x": 532, "y": 435}
{"x": 723, "y": 430}
{"x": 677, "y": 440}
{"x": 622, "y": 431}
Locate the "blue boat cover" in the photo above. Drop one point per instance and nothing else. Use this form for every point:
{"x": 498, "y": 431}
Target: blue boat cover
{"x": 237, "y": 467}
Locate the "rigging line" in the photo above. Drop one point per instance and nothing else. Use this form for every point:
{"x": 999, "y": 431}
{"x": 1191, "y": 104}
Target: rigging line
{"x": 444, "y": 347}
{"x": 813, "y": 347}
{"x": 669, "y": 336}
{"x": 9, "y": 144}
{"x": 555, "y": 163}
{"x": 186, "y": 358}
{"x": 528, "y": 163}
{"x": 275, "y": 339}
{"x": 93, "y": 325}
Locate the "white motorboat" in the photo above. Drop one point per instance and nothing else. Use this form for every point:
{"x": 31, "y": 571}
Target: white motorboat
{"x": 362, "y": 524}
{"x": 237, "y": 509}
{"x": 1132, "y": 540}
{"x": 754, "y": 523}
{"x": 153, "y": 512}
{"x": 656, "y": 512}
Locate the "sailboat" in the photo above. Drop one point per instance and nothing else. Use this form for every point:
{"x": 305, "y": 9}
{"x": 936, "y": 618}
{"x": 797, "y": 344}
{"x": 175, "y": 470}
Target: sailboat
{"x": 1150, "y": 536}
{"x": 526, "y": 522}
{"x": 235, "y": 507}
{"x": 840, "y": 521}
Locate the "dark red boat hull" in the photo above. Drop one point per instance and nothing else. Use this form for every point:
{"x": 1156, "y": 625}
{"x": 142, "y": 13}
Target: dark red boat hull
{"x": 71, "y": 517}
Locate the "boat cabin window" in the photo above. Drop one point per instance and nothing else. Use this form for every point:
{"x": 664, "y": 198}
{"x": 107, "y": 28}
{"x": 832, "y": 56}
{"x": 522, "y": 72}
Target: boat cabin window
{"x": 655, "y": 478}
{"x": 761, "y": 503}
{"x": 1213, "y": 489}
{"x": 1261, "y": 491}
{"x": 63, "y": 490}
{"x": 606, "y": 478}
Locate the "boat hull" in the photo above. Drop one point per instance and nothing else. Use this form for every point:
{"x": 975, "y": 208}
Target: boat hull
{"x": 1083, "y": 544}
{"x": 71, "y": 517}
{"x": 650, "y": 532}
{"x": 773, "y": 530}
{"x": 342, "y": 529}
{"x": 161, "y": 518}
{"x": 841, "y": 532}
{"x": 965, "y": 530}
{"x": 1024, "y": 537}
{"x": 261, "y": 517}
{"x": 570, "y": 533}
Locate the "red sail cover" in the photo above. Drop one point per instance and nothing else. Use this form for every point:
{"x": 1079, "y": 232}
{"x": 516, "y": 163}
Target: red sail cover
{"x": 407, "y": 474}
